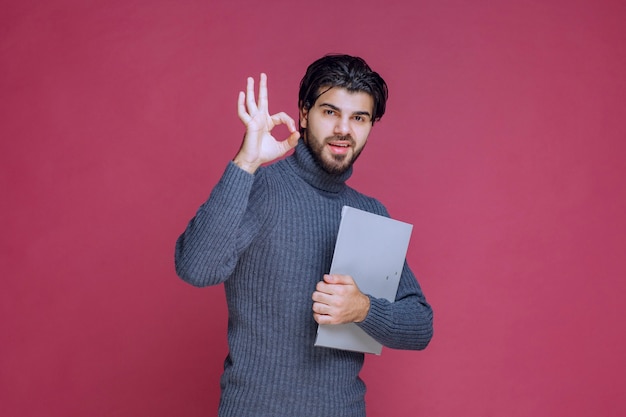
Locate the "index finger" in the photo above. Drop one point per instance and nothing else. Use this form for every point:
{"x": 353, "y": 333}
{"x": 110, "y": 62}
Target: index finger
{"x": 338, "y": 279}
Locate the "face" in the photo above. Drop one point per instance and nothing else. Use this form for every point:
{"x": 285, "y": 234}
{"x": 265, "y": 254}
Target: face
{"x": 337, "y": 127}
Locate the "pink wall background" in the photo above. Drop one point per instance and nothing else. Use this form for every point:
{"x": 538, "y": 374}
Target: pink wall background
{"x": 504, "y": 144}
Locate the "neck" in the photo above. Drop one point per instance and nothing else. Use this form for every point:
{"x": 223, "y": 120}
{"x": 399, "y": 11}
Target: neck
{"x": 308, "y": 169}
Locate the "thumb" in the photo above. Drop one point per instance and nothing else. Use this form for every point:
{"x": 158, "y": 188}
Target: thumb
{"x": 292, "y": 140}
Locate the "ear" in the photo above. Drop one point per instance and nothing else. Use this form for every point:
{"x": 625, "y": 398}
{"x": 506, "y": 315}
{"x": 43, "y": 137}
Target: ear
{"x": 304, "y": 114}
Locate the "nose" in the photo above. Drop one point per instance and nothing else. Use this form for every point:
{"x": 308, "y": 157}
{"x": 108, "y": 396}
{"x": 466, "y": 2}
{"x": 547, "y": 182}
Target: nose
{"x": 342, "y": 127}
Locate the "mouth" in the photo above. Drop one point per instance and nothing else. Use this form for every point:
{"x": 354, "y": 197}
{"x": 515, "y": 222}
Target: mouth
{"x": 339, "y": 147}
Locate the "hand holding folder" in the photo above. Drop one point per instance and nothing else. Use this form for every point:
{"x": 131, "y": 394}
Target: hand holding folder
{"x": 371, "y": 249}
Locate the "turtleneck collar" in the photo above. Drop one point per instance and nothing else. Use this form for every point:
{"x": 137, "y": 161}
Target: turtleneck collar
{"x": 305, "y": 165}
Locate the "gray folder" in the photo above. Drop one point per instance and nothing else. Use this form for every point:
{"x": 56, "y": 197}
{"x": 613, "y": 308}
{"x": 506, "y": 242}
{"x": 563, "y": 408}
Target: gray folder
{"x": 371, "y": 249}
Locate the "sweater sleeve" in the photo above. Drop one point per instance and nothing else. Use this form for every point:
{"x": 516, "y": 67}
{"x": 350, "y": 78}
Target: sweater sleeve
{"x": 407, "y": 323}
{"x": 207, "y": 251}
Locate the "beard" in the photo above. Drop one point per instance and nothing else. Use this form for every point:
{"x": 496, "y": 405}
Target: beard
{"x": 333, "y": 164}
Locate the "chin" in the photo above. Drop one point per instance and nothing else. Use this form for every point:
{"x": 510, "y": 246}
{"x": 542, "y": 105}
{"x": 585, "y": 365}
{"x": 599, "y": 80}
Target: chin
{"x": 333, "y": 167}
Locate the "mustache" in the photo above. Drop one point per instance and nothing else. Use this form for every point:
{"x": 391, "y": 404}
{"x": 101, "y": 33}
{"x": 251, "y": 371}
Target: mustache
{"x": 346, "y": 138}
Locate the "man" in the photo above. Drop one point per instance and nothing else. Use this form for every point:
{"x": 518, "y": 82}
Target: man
{"x": 268, "y": 233}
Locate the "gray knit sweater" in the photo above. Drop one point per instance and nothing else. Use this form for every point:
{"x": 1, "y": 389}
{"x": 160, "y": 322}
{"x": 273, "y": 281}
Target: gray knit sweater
{"x": 269, "y": 237}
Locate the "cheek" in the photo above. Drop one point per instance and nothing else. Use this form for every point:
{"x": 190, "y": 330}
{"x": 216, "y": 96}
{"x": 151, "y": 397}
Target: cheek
{"x": 362, "y": 133}
{"x": 320, "y": 126}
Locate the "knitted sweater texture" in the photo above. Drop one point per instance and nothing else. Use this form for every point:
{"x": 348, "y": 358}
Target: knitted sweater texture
{"x": 269, "y": 238}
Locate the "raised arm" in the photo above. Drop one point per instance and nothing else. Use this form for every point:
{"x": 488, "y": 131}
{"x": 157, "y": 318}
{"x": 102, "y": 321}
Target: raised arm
{"x": 209, "y": 249}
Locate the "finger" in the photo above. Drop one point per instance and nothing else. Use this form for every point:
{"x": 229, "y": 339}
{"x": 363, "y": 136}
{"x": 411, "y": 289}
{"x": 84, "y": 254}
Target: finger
{"x": 263, "y": 100}
{"x": 320, "y": 297}
{"x": 319, "y": 308}
{"x": 339, "y": 279}
{"x": 292, "y": 140}
{"x": 324, "y": 288}
{"x": 323, "y": 310}
{"x": 283, "y": 118}
{"x": 241, "y": 108}
{"x": 325, "y": 319}
{"x": 250, "y": 99}
{"x": 322, "y": 319}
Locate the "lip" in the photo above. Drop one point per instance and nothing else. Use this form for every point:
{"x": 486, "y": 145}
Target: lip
{"x": 339, "y": 147}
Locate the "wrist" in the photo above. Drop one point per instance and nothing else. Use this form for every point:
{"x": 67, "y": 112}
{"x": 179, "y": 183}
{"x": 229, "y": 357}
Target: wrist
{"x": 247, "y": 166}
{"x": 365, "y": 308}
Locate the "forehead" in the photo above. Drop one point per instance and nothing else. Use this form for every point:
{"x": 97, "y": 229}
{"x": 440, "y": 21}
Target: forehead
{"x": 346, "y": 101}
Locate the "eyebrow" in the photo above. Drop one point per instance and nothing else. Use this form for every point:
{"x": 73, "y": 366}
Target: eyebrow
{"x": 359, "y": 113}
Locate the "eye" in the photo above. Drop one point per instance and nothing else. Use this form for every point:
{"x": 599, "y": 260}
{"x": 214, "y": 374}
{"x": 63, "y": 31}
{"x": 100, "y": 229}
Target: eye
{"x": 329, "y": 112}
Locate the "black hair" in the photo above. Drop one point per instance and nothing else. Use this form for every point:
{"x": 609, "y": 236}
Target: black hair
{"x": 344, "y": 71}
